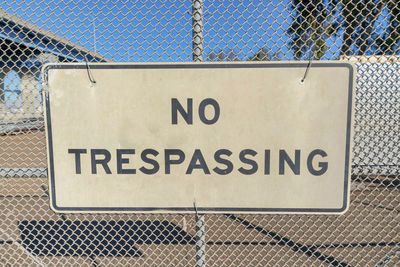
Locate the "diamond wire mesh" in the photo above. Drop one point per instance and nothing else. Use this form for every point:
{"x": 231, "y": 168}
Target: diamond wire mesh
{"x": 35, "y": 32}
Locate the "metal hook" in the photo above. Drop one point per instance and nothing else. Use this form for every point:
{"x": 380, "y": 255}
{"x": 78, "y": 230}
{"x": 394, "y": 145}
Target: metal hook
{"x": 308, "y": 65}
{"x": 46, "y": 191}
{"x": 195, "y": 208}
{"x": 89, "y": 72}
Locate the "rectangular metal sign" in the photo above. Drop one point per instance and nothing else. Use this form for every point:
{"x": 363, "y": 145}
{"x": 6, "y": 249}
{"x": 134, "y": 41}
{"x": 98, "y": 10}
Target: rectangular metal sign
{"x": 226, "y": 138}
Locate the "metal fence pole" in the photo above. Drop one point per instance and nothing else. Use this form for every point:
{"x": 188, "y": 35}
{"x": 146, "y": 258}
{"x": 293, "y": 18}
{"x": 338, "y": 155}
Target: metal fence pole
{"x": 200, "y": 240}
{"x": 197, "y": 46}
{"x": 197, "y": 29}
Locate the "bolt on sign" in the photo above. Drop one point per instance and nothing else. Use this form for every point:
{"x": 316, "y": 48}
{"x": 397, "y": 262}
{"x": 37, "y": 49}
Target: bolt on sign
{"x": 221, "y": 138}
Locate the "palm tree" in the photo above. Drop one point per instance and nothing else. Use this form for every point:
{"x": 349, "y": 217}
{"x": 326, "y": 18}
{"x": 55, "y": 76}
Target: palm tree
{"x": 354, "y": 21}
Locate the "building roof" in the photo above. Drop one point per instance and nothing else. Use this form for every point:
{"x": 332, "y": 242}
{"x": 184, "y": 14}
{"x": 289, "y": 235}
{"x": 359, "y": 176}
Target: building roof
{"x": 22, "y": 39}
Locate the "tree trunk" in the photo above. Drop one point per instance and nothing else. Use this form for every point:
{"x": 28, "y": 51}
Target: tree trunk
{"x": 350, "y": 19}
{"x": 370, "y": 21}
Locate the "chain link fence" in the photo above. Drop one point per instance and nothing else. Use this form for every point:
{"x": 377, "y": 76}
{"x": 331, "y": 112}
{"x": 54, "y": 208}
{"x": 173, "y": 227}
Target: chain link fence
{"x": 35, "y": 32}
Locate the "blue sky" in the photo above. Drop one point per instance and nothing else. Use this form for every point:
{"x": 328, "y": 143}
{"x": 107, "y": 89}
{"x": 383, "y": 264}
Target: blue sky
{"x": 157, "y": 30}
{"x": 161, "y": 30}
{"x": 133, "y": 31}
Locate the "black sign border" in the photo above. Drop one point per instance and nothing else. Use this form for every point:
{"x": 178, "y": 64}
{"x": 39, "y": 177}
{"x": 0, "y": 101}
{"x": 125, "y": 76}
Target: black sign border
{"x": 340, "y": 210}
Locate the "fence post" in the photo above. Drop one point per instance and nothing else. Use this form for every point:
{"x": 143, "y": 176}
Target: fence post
{"x": 197, "y": 46}
{"x": 200, "y": 240}
{"x": 197, "y": 29}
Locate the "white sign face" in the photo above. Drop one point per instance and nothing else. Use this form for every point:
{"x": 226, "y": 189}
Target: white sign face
{"x": 229, "y": 138}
